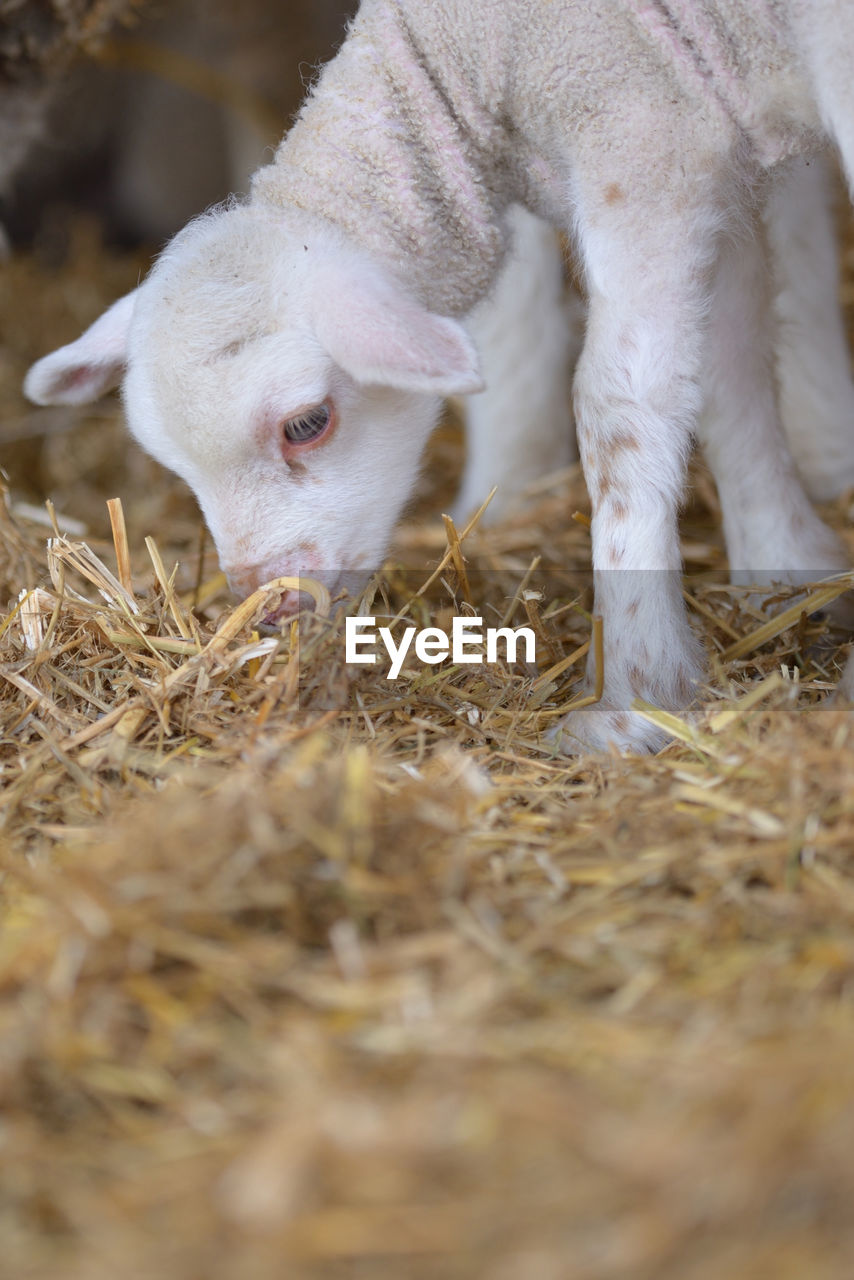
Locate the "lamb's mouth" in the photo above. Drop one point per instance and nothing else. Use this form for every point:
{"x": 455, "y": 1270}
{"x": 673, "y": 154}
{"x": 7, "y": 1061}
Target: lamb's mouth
{"x": 291, "y": 604}
{"x": 316, "y": 594}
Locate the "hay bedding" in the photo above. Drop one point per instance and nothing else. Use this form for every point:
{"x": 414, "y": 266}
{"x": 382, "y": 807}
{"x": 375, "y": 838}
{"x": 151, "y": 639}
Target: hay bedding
{"x": 304, "y": 979}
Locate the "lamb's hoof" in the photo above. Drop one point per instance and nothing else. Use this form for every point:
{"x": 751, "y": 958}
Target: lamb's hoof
{"x": 603, "y": 727}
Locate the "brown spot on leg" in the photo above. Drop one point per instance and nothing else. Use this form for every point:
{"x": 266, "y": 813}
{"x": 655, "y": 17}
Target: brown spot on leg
{"x": 619, "y": 442}
{"x": 614, "y": 554}
{"x": 637, "y": 678}
{"x": 603, "y": 483}
{"x": 613, "y": 193}
{"x": 625, "y": 441}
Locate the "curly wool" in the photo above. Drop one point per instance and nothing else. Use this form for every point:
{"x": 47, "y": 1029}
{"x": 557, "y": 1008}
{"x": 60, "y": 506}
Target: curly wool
{"x": 433, "y": 118}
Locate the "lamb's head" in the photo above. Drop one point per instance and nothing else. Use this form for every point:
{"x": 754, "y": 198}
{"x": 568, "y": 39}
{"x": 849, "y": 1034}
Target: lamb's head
{"x": 291, "y": 382}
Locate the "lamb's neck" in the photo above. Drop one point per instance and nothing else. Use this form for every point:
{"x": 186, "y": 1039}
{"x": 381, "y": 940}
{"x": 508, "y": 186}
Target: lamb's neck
{"x": 382, "y": 151}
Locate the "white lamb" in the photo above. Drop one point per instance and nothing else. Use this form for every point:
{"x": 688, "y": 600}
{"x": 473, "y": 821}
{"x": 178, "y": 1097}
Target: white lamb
{"x": 286, "y": 356}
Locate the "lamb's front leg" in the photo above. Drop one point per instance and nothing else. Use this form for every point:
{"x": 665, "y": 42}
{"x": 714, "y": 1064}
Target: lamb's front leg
{"x": 636, "y": 402}
{"x": 772, "y": 533}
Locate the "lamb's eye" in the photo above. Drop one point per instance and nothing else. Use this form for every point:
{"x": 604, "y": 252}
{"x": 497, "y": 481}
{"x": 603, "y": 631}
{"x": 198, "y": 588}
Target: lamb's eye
{"x": 309, "y": 425}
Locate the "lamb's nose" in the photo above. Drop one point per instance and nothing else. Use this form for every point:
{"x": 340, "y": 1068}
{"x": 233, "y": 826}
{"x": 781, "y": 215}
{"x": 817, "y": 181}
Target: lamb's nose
{"x": 243, "y": 580}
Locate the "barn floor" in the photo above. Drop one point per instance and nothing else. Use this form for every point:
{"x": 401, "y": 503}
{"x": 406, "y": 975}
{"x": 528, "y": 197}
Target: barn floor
{"x": 302, "y": 980}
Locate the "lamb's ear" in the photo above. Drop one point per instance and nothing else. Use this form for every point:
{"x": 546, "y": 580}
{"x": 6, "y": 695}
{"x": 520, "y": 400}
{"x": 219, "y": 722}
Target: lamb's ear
{"x": 85, "y": 369}
{"x": 380, "y": 334}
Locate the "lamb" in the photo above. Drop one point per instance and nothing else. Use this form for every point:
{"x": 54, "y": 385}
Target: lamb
{"x": 286, "y": 355}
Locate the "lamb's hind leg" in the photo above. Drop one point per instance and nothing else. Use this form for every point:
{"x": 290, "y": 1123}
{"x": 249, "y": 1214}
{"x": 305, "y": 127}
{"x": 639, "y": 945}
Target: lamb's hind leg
{"x": 636, "y": 402}
{"x": 813, "y": 362}
{"x": 772, "y": 533}
{"x": 528, "y": 333}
